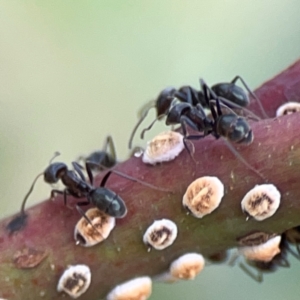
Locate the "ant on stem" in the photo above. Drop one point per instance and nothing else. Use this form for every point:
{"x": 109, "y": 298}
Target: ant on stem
{"x": 76, "y": 185}
{"x": 229, "y": 94}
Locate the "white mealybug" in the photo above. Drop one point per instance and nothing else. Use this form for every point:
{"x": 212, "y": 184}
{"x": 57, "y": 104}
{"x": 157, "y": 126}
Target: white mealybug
{"x": 161, "y": 234}
{"x": 75, "y": 280}
{"x": 264, "y": 252}
{"x": 89, "y": 235}
{"x": 163, "y": 147}
{"x": 288, "y": 108}
{"x": 187, "y": 266}
{"x": 203, "y": 196}
{"x": 261, "y": 202}
{"x": 136, "y": 289}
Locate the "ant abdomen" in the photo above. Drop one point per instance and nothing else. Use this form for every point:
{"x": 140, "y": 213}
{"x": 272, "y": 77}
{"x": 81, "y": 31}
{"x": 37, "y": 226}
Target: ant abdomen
{"x": 231, "y": 92}
{"x": 100, "y": 161}
{"x": 234, "y": 128}
{"x": 108, "y": 202}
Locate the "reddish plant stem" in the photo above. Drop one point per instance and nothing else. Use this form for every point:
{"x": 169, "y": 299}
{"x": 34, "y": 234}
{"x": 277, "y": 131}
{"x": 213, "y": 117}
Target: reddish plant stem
{"x": 275, "y": 152}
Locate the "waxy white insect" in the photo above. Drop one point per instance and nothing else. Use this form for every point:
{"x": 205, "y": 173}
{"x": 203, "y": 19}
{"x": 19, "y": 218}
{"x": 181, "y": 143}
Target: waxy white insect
{"x": 288, "y": 108}
{"x": 203, "y": 196}
{"x": 264, "y": 252}
{"x": 163, "y": 147}
{"x": 88, "y": 235}
{"x": 136, "y": 289}
{"x": 187, "y": 266}
{"x": 261, "y": 202}
{"x": 161, "y": 234}
{"x": 75, "y": 280}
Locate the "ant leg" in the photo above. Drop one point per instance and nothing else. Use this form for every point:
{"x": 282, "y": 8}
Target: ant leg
{"x": 234, "y": 105}
{"x": 64, "y": 193}
{"x": 226, "y": 104}
{"x": 82, "y": 213}
{"x": 184, "y": 121}
{"x": 238, "y": 155}
{"x": 233, "y": 259}
{"x": 212, "y": 109}
{"x": 258, "y": 277}
{"x": 282, "y": 262}
{"x": 105, "y": 178}
{"x": 78, "y": 169}
{"x": 54, "y": 192}
{"x": 142, "y": 118}
{"x": 109, "y": 144}
{"x": 89, "y": 171}
{"x": 235, "y": 79}
{"x": 150, "y": 126}
{"x": 208, "y": 93}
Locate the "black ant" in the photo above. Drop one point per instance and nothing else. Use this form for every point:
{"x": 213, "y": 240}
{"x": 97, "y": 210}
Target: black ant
{"x": 76, "y": 185}
{"x": 229, "y": 94}
{"x": 279, "y": 260}
{"x": 103, "y": 159}
{"x": 232, "y": 127}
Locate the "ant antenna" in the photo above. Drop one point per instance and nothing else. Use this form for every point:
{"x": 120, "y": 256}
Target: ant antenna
{"x": 28, "y": 193}
{"x": 19, "y": 221}
{"x": 56, "y": 153}
{"x": 125, "y": 176}
{"x": 150, "y": 126}
{"x": 252, "y": 94}
{"x": 143, "y": 112}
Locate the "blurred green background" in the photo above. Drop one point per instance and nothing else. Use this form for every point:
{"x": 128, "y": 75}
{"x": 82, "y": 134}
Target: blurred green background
{"x": 72, "y": 72}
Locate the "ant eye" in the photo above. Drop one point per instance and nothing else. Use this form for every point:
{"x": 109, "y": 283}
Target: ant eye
{"x": 203, "y": 196}
{"x": 187, "y": 266}
{"x": 88, "y": 234}
{"x": 75, "y": 280}
{"x": 161, "y": 234}
{"x": 288, "y": 108}
{"x": 264, "y": 252}
{"x": 135, "y": 289}
{"x": 261, "y": 202}
{"x": 164, "y": 147}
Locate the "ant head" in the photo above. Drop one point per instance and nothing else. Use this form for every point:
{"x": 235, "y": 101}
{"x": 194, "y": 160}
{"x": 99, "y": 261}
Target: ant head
{"x": 164, "y": 100}
{"x": 231, "y": 92}
{"x": 108, "y": 202}
{"x": 235, "y": 128}
{"x": 54, "y": 172}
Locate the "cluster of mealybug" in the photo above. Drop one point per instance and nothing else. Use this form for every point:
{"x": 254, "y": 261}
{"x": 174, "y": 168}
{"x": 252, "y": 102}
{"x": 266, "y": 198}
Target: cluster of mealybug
{"x": 218, "y": 111}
